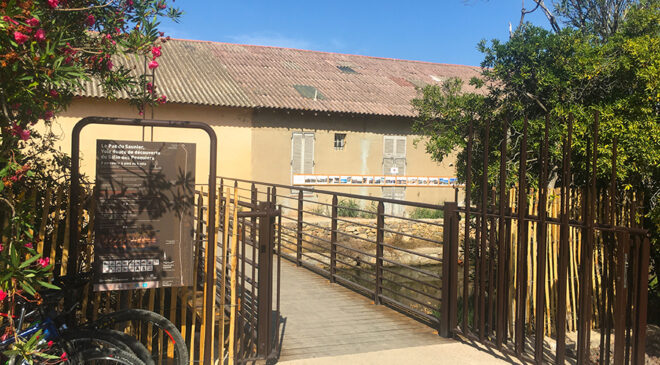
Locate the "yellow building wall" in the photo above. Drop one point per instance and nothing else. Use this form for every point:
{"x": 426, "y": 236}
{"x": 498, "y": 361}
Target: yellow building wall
{"x": 256, "y": 144}
{"x": 232, "y": 126}
{"x": 362, "y": 154}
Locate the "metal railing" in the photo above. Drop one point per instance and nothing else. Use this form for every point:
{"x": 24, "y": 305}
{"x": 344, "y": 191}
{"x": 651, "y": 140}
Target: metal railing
{"x": 351, "y": 240}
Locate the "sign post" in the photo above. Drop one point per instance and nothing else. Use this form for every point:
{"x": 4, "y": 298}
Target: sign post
{"x": 74, "y": 232}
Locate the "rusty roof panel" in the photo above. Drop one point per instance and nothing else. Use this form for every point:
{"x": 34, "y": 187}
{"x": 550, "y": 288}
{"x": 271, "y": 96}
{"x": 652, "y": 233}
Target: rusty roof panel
{"x": 224, "y": 74}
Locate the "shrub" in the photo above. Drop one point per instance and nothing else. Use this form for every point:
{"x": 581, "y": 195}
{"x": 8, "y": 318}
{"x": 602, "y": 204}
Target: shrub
{"x": 427, "y": 213}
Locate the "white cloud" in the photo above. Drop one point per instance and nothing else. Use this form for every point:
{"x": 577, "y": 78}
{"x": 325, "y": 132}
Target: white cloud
{"x": 271, "y": 39}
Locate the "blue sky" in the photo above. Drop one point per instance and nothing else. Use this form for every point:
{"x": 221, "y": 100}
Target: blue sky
{"x": 444, "y": 31}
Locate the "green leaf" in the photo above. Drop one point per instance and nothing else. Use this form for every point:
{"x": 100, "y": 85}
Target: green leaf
{"x": 28, "y": 288}
{"x": 33, "y": 339}
{"x": 14, "y": 256}
{"x": 30, "y": 261}
{"x": 48, "y": 285}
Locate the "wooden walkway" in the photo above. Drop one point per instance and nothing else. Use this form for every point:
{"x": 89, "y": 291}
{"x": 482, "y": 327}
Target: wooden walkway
{"x": 324, "y": 319}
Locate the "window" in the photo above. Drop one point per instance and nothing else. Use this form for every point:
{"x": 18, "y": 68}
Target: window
{"x": 394, "y": 164}
{"x": 340, "y": 141}
{"x": 346, "y": 69}
{"x": 309, "y": 92}
{"x": 302, "y": 153}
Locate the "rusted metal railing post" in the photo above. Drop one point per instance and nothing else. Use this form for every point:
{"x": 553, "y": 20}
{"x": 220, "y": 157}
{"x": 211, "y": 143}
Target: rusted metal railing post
{"x": 380, "y": 235}
{"x": 333, "y": 240}
{"x": 448, "y": 309}
{"x": 265, "y": 283}
{"x": 299, "y": 235}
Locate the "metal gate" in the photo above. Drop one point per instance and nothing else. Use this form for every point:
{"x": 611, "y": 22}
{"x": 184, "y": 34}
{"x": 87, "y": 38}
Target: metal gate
{"x": 557, "y": 280}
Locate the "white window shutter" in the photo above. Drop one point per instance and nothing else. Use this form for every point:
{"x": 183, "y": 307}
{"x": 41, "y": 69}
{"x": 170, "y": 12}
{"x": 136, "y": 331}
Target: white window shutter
{"x": 388, "y": 146}
{"x": 400, "y": 147}
{"x": 308, "y": 158}
{"x": 297, "y": 153}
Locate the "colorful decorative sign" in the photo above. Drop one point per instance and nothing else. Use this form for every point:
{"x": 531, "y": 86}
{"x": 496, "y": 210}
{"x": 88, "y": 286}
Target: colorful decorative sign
{"x": 374, "y": 180}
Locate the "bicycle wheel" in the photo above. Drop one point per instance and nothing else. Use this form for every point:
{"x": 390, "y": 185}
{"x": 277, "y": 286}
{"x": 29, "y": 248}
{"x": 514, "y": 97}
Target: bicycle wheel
{"x": 161, "y": 338}
{"x": 105, "y": 355}
{"x": 82, "y": 339}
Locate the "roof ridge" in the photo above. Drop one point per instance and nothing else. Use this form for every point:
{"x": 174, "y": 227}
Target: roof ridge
{"x": 325, "y": 52}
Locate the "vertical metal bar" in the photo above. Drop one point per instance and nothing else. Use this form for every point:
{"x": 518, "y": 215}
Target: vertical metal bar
{"x": 491, "y": 269}
{"x": 477, "y": 269}
{"x": 453, "y": 269}
{"x": 466, "y": 244}
{"x": 265, "y": 283}
{"x": 507, "y": 267}
{"x": 279, "y": 269}
{"x": 564, "y": 243}
{"x": 299, "y": 235}
{"x": 484, "y": 235}
{"x": 608, "y": 257}
{"x": 521, "y": 266}
{"x": 333, "y": 240}
{"x": 501, "y": 248}
{"x": 542, "y": 233}
{"x": 242, "y": 349}
{"x": 623, "y": 245}
{"x": 639, "y": 346}
{"x": 380, "y": 235}
{"x": 587, "y": 256}
{"x": 449, "y": 271}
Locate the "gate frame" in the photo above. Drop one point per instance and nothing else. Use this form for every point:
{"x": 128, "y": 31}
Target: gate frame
{"x": 74, "y": 232}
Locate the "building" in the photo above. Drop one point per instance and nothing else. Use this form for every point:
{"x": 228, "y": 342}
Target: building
{"x": 280, "y": 112}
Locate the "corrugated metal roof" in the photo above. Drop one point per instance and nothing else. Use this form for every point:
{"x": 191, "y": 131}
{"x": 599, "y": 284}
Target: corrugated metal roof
{"x": 224, "y": 74}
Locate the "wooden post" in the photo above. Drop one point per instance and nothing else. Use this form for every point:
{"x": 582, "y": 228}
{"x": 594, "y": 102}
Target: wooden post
{"x": 223, "y": 285}
{"x": 232, "y": 286}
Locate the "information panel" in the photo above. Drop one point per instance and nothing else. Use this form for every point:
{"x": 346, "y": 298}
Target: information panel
{"x": 143, "y": 228}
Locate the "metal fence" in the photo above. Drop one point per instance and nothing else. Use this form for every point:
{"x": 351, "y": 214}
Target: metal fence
{"x": 527, "y": 267}
{"x": 348, "y": 238}
{"x": 546, "y": 275}
{"x": 244, "y": 321}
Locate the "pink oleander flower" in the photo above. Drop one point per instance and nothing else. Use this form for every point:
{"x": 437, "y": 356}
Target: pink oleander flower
{"x": 9, "y": 20}
{"x": 63, "y": 357}
{"x": 33, "y": 22}
{"x": 90, "y": 20}
{"x": 53, "y": 3}
{"x": 20, "y": 37}
{"x": 2, "y": 247}
{"x": 53, "y": 93}
{"x": 155, "y": 51}
{"x": 109, "y": 65}
{"x": 40, "y": 35}
{"x": 162, "y": 99}
{"x": 21, "y": 133}
{"x": 50, "y": 343}
{"x": 3, "y": 295}
{"x": 29, "y": 245}
{"x": 153, "y": 64}
{"x": 44, "y": 262}
{"x": 48, "y": 114}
